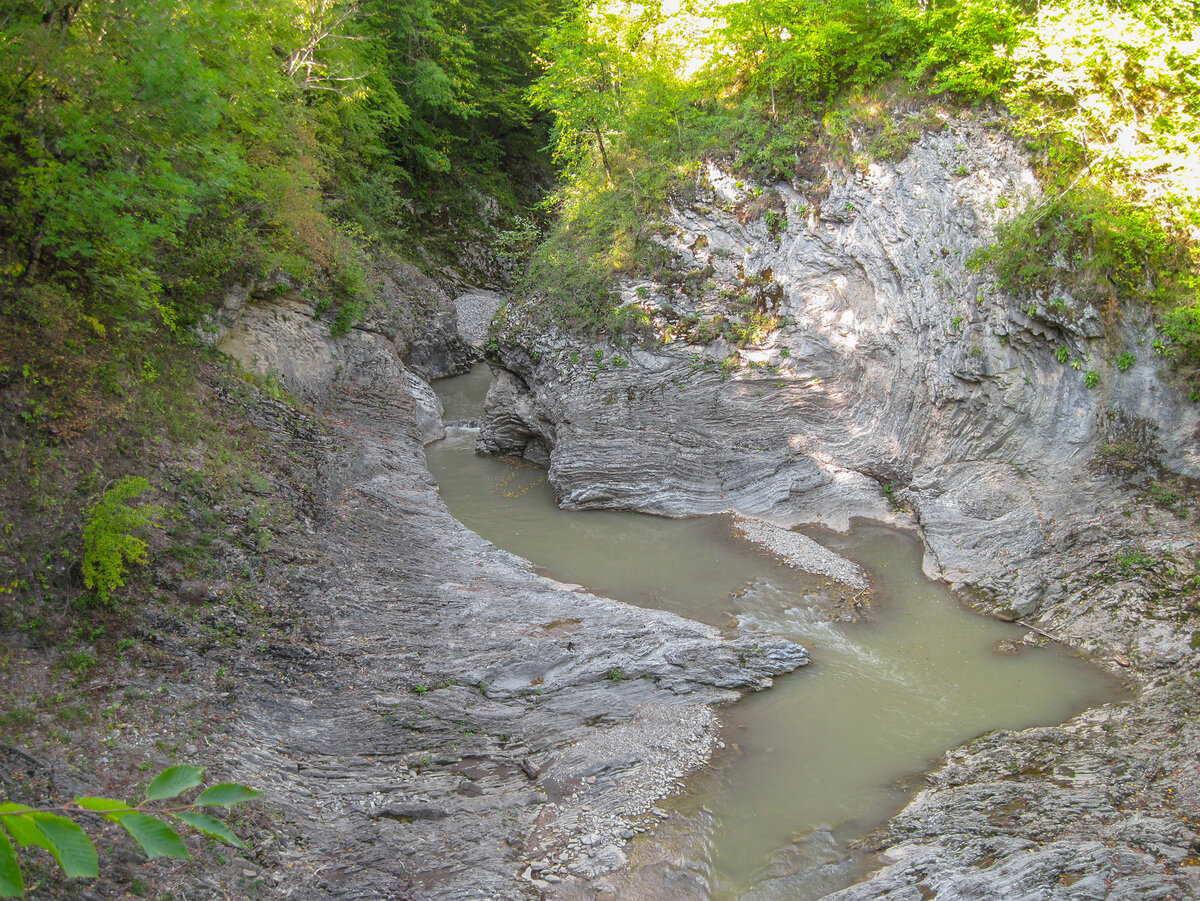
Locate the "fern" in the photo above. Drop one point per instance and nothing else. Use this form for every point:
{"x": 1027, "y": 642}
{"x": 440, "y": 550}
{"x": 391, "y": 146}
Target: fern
{"x": 111, "y": 535}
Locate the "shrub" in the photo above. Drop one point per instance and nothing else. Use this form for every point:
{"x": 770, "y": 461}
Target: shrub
{"x": 111, "y": 535}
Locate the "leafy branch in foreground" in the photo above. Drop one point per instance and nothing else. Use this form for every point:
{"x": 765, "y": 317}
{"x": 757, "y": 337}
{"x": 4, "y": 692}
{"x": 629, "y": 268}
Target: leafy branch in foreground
{"x": 55, "y": 829}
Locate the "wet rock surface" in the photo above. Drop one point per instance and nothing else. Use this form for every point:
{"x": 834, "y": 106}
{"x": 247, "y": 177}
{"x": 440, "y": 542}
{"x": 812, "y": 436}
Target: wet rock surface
{"x": 1100, "y": 808}
{"x": 460, "y": 727}
{"x": 870, "y": 372}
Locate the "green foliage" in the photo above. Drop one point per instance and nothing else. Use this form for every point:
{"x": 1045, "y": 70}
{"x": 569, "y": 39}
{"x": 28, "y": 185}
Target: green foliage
{"x": 967, "y": 48}
{"x": 460, "y": 71}
{"x": 1136, "y": 560}
{"x": 514, "y": 245}
{"x": 111, "y": 535}
{"x": 174, "y": 781}
{"x": 1104, "y": 94}
{"x": 150, "y": 153}
{"x": 788, "y": 50}
{"x": 127, "y": 174}
{"x": 641, "y": 98}
{"x": 630, "y": 131}
{"x": 227, "y": 794}
{"x": 11, "y": 883}
{"x": 66, "y": 841}
{"x": 1096, "y": 246}
{"x": 1182, "y": 326}
{"x": 211, "y": 826}
{"x": 156, "y": 837}
{"x": 776, "y": 224}
{"x": 55, "y": 830}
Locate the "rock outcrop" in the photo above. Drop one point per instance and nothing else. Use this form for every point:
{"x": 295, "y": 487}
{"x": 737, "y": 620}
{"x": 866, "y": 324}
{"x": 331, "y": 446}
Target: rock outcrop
{"x": 839, "y": 357}
{"x": 466, "y": 728}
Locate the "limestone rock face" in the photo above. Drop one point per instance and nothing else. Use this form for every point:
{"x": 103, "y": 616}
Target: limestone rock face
{"x": 873, "y": 373}
{"x": 514, "y": 427}
{"x": 460, "y": 726}
{"x": 272, "y": 328}
{"x": 880, "y": 371}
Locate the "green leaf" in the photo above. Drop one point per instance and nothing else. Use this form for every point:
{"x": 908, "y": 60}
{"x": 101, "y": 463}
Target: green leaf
{"x": 105, "y": 806}
{"x": 156, "y": 837}
{"x": 22, "y": 828}
{"x": 226, "y": 794}
{"x": 211, "y": 826}
{"x": 69, "y": 844}
{"x": 173, "y": 781}
{"x": 11, "y": 884}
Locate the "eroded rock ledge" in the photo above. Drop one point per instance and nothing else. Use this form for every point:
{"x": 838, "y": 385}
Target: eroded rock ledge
{"x": 887, "y": 379}
{"x": 460, "y": 733}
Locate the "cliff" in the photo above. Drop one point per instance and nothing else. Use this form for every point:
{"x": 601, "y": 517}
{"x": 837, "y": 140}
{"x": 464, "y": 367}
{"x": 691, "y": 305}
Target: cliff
{"x": 819, "y": 352}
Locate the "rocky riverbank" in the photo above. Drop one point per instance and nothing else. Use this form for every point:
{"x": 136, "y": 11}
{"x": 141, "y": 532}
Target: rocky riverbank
{"x": 463, "y": 728}
{"x": 840, "y": 358}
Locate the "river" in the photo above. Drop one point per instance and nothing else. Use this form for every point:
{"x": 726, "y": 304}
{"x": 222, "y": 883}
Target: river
{"x": 832, "y": 751}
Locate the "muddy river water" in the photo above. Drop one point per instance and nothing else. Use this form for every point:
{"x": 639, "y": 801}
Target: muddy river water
{"x": 830, "y": 752}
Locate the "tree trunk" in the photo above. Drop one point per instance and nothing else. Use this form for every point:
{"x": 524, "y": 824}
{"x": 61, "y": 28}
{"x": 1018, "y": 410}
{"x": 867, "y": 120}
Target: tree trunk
{"x": 35, "y": 256}
{"x": 603, "y": 156}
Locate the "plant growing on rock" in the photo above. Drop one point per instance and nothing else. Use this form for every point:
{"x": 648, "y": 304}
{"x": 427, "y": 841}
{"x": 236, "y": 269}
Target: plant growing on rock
{"x": 776, "y": 224}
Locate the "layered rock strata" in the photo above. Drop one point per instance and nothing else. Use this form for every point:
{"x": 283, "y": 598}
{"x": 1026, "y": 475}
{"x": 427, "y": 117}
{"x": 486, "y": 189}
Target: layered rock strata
{"x": 822, "y": 355}
{"x": 460, "y": 732}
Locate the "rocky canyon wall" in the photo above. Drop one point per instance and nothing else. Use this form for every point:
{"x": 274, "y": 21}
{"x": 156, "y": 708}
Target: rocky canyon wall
{"x": 821, "y": 352}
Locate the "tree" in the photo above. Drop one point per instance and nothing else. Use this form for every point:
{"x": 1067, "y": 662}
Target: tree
{"x": 607, "y": 72}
